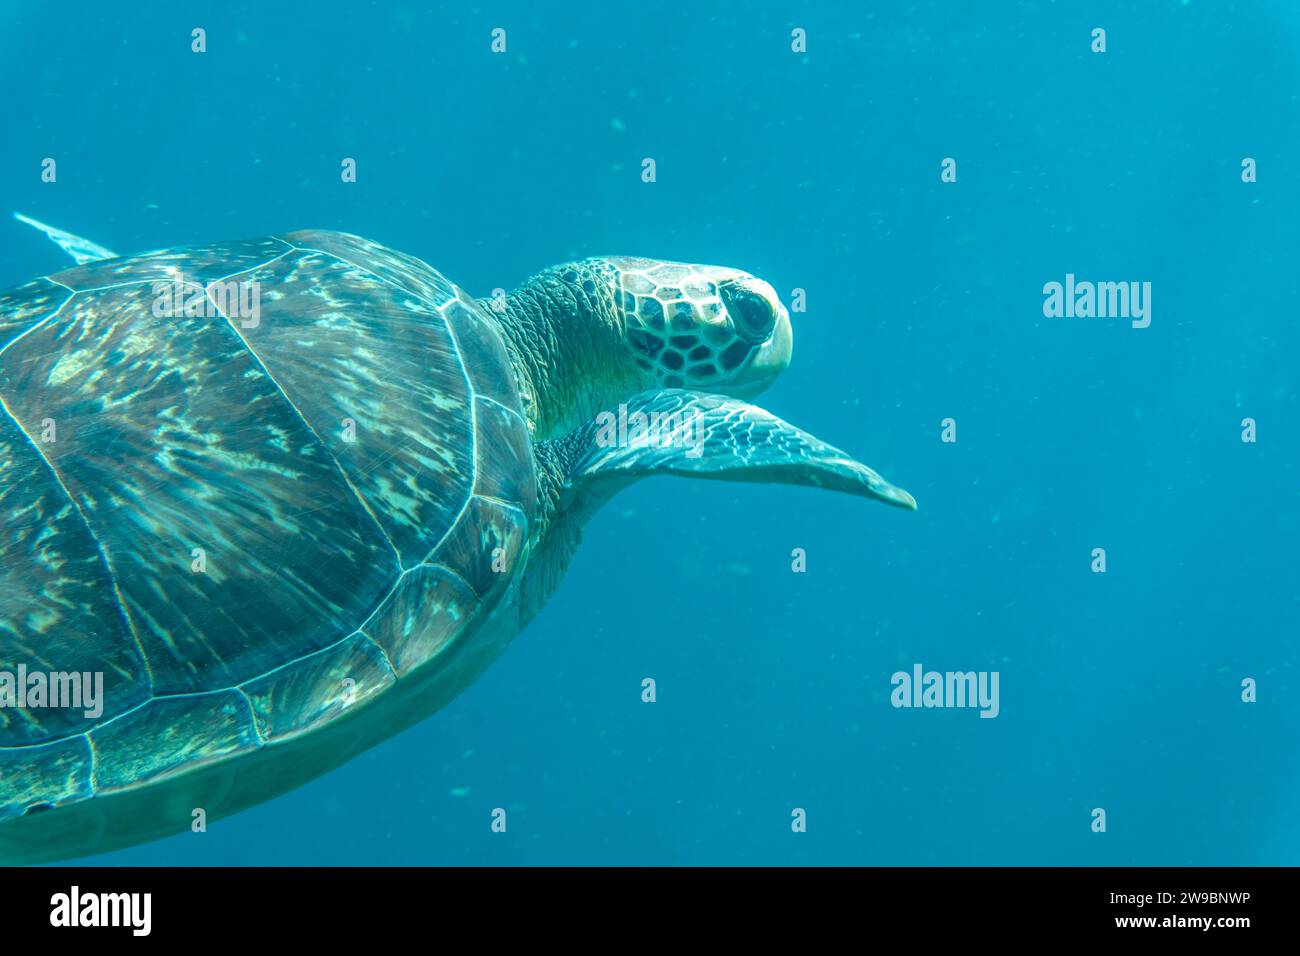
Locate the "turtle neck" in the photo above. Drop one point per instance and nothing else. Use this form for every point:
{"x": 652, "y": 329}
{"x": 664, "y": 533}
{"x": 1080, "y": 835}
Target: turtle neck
{"x": 565, "y": 338}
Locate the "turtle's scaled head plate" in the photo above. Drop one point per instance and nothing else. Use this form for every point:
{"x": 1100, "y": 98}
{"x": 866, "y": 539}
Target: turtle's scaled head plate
{"x": 702, "y": 327}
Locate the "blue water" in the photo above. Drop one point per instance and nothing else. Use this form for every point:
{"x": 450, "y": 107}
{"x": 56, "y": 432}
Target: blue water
{"x": 820, "y": 171}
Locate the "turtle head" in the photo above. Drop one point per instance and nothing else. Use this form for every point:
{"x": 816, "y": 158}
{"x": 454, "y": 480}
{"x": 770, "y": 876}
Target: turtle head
{"x": 585, "y": 335}
{"x": 705, "y": 328}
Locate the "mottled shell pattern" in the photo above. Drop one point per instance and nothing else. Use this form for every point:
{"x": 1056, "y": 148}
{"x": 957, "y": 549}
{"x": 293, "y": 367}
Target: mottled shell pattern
{"x": 247, "y": 525}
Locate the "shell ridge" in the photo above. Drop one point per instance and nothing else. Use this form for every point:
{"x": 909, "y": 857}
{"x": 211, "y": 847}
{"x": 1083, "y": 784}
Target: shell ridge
{"x": 473, "y": 440}
{"x": 397, "y": 556}
{"x": 469, "y": 384}
{"x": 36, "y": 325}
{"x": 99, "y": 546}
{"x": 383, "y": 654}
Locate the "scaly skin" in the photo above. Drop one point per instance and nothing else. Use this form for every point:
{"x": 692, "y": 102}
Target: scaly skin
{"x": 564, "y": 332}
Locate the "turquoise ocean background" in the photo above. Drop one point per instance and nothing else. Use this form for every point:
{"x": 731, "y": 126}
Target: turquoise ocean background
{"x": 818, "y": 171}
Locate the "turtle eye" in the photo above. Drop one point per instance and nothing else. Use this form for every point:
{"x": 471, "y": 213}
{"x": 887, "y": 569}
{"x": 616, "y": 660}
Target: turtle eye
{"x": 752, "y": 315}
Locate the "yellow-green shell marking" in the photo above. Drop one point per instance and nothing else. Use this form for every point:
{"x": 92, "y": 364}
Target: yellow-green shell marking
{"x": 256, "y": 528}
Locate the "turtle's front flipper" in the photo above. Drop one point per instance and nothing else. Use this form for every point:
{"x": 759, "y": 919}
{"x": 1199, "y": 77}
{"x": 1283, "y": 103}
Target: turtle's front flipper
{"x": 82, "y": 250}
{"x": 710, "y": 436}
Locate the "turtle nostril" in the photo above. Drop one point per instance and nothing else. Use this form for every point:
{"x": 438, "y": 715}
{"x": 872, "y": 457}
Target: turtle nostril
{"x": 752, "y": 315}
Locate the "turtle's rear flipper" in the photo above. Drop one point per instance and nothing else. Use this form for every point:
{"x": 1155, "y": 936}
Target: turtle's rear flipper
{"x": 82, "y": 250}
{"x": 710, "y": 436}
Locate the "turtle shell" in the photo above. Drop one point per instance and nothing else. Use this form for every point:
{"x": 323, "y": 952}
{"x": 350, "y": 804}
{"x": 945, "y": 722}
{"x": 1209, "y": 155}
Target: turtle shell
{"x": 254, "y": 510}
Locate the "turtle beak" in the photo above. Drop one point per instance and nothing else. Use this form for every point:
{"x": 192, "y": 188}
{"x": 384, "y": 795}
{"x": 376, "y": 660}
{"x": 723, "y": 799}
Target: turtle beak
{"x": 773, "y": 356}
{"x": 768, "y": 361}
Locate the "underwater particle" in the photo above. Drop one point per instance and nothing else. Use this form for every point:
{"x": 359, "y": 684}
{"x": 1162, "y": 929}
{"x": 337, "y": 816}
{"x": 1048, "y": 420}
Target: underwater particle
{"x": 458, "y": 792}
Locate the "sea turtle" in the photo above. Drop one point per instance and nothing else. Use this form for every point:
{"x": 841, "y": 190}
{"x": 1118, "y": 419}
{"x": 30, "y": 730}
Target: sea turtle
{"x": 289, "y": 495}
